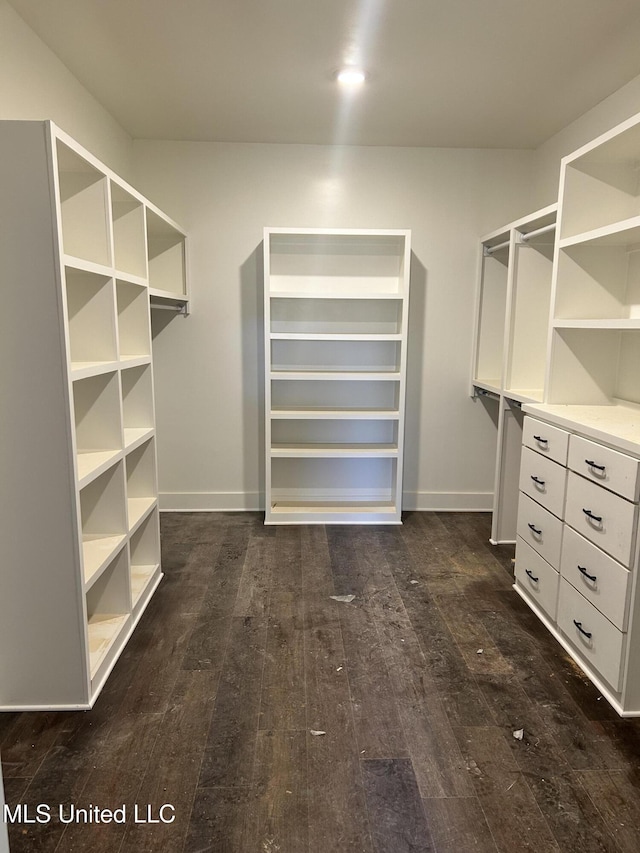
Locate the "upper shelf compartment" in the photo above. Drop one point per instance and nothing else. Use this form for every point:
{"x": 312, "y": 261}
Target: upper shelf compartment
{"x": 128, "y": 232}
{"x": 601, "y": 182}
{"x": 337, "y": 265}
{"x": 84, "y": 206}
{"x": 166, "y": 253}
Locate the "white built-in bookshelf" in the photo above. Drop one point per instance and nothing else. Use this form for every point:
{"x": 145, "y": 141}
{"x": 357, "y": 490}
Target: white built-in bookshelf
{"x": 81, "y": 251}
{"x": 336, "y": 312}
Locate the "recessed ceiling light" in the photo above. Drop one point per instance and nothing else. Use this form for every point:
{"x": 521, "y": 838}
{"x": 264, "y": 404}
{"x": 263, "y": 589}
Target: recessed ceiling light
{"x": 351, "y": 77}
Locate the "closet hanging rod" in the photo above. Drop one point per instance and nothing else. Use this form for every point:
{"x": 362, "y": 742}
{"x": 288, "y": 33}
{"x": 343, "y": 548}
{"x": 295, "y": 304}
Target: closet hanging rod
{"x": 179, "y": 309}
{"x": 489, "y": 250}
{"x": 538, "y": 232}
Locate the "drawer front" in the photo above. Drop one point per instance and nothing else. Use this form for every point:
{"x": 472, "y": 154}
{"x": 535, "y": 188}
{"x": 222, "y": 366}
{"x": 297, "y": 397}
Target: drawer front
{"x": 604, "y": 648}
{"x": 543, "y": 480}
{"x": 602, "y": 517}
{"x": 549, "y": 440}
{"x": 609, "y": 468}
{"x": 600, "y": 578}
{"x": 540, "y": 529}
{"x": 539, "y": 579}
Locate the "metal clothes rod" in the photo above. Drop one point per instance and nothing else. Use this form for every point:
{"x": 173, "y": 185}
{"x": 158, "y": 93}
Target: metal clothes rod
{"x": 179, "y": 309}
{"x": 544, "y": 230}
{"x": 489, "y": 250}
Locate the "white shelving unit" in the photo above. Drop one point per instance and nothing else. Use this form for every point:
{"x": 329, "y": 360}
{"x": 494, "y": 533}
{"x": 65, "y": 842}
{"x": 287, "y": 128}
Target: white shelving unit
{"x": 592, "y": 406}
{"x": 510, "y": 348}
{"x": 336, "y": 313}
{"x": 80, "y": 524}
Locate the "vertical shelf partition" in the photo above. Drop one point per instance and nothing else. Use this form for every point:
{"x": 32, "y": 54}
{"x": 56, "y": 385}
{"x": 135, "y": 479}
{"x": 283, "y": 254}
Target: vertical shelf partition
{"x": 512, "y": 321}
{"x": 336, "y": 311}
{"x": 81, "y": 531}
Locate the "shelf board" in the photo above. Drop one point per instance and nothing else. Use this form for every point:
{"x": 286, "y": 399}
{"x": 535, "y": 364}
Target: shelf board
{"x": 329, "y": 512}
{"x": 600, "y": 323}
{"x": 623, "y": 233}
{"x": 337, "y": 375}
{"x": 134, "y": 360}
{"x": 341, "y": 336}
{"x": 335, "y": 414}
{"x": 524, "y": 395}
{"x": 135, "y": 436}
{"x": 92, "y": 463}
{"x": 279, "y": 451}
{"x": 83, "y": 369}
{"x": 141, "y": 577}
{"x": 333, "y": 294}
{"x": 138, "y": 509}
{"x": 493, "y": 386}
{"x": 83, "y": 265}
{"x": 130, "y": 277}
{"x": 103, "y": 631}
{"x": 97, "y": 553}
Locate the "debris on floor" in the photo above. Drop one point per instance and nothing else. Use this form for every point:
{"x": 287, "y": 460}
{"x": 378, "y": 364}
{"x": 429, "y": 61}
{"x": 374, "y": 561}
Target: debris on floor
{"x": 347, "y": 599}
{"x": 518, "y": 734}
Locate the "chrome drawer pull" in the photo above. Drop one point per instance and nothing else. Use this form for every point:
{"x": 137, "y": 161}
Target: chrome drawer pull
{"x": 593, "y": 517}
{"x": 537, "y": 480}
{"x": 583, "y": 571}
{"x": 581, "y": 629}
{"x": 530, "y": 573}
{"x": 592, "y": 464}
{"x": 541, "y": 439}
{"x": 535, "y": 530}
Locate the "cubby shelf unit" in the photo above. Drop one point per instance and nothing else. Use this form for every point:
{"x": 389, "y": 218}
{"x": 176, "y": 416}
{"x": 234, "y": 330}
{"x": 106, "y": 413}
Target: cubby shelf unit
{"x": 81, "y": 526}
{"x": 510, "y": 346}
{"x": 336, "y": 313}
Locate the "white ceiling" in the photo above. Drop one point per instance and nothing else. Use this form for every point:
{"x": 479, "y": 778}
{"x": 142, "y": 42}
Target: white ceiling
{"x": 453, "y": 73}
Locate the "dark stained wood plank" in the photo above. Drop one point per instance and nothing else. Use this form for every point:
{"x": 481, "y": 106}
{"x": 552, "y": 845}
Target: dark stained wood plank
{"x": 396, "y": 815}
{"x": 218, "y": 822}
{"x": 458, "y": 825}
{"x": 228, "y": 756}
{"x": 280, "y": 794}
{"x": 615, "y": 794}
{"x": 255, "y": 581}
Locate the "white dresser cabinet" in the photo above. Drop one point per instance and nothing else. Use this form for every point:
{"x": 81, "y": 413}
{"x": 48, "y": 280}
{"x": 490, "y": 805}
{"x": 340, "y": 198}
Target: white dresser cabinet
{"x": 577, "y": 550}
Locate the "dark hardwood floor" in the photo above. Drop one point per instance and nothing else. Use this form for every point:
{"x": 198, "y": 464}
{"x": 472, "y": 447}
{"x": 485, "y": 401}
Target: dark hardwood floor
{"x": 273, "y": 718}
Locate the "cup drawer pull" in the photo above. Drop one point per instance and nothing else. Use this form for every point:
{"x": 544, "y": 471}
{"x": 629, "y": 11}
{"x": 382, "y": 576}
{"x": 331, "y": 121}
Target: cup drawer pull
{"x": 593, "y": 517}
{"x": 592, "y": 464}
{"x": 581, "y": 629}
{"x": 535, "y": 529}
{"x": 584, "y": 572}
{"x": 537, "y": 480}
{"x": 532, "y": 576}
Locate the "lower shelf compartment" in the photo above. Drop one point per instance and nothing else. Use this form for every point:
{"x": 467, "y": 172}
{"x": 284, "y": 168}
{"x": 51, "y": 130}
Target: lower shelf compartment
{"x": 142, "y": 579}
{"x": 104, "y": 630}
{"x": 329, "y": 512}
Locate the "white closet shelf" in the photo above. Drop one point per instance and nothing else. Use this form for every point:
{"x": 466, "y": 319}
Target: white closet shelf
{"x": 337, "y": 375}
{"x": 84, "y": 369}
{"x": 335, "y": 414}
{"x": 134, "y": 360}
{"x": 92, "y": 463}
{"x": 130, "y": 278}
{"x": 623, "y": 233}
{"x": 104, "y": 631}
{"x": 141, "y": 580}
{"x": 493, "y": 386}
{"x": 334, "y": 294}
{"x": 354, "y": 336}
{"x": 135, "y": 436}
{"x": 334, "y": 512}
{"x": 600, "y": 323}
{"x": 83, "y": 265}
{"x": 97, "y": 553}
{"x": 353, "y": 451}
{"x": 524, "y": 395}
{"x": 138, "y": 509}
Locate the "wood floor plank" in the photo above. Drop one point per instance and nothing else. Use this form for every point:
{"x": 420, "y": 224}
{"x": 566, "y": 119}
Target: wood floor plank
{"x": 218, "y": 821}
{"x": 615, "y": 794}
{"x": 397, "y": 817}
{"x": 458, "y": 825}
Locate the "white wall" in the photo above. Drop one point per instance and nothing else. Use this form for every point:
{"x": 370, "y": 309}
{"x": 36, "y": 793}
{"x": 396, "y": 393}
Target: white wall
{"x": 36, "y": 85}
{"x": 208, "y": 367}
{"x": 611, "y": 111}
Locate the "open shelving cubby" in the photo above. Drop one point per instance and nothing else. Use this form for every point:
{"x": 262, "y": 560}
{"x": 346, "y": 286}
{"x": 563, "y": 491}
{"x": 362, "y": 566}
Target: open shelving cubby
{"x": 166, "y": 257}
{"x": 335, "y": 335}
{"x": 103, "y": 522}
{"x": 137, "y": 405}
{"x": 98, "y": 424}
{"x": 108, "y": 604}
{"x": 134, "y": 332}
{"x": 145, "y": 559}
{"x": 142, "y": 486}
{"x": 90, "y": 322}
{"x": 128, "y": 221}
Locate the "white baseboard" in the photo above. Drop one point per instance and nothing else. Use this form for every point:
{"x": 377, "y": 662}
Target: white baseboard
{"x": 254, "y": 501}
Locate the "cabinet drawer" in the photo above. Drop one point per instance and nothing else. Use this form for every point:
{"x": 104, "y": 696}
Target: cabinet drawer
{"x": 538, "y": 578}
{"x": 540, "y": 529}
{"x": 609, "y": 468}
{"x": 543, "y": 480}
{"x": 602, "y": 517}
{"x": 549, "y": 440}
{"x": 600, "y": 578}
{"x": 592, "y": 635}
